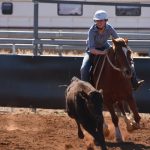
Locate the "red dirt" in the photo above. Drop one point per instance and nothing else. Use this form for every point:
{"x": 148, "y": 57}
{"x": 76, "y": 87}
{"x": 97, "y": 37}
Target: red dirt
{"x": 54, "y": 130}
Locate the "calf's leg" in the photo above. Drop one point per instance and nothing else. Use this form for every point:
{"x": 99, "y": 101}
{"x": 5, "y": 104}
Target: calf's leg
{"x": 97, "y": 133}
{"x": 80, "y": 132}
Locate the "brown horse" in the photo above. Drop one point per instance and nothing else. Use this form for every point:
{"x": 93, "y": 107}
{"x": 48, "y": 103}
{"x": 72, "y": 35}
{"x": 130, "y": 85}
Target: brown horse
{"x": 114, "y": 78}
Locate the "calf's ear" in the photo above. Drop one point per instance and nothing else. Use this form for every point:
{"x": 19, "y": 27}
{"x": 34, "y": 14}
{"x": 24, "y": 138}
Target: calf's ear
{"x": 74, "y": 79}
{"x": 92, "y": 94}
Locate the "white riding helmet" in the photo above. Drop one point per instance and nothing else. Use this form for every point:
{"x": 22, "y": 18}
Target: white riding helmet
{"x": 100, "y": 15}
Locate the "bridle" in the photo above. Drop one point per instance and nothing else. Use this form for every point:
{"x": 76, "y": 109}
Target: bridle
{"x": 111, "y": 64}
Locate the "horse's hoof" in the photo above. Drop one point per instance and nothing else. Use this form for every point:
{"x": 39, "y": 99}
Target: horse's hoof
{"x": 133, "y": 126}
{"x": 129, "y": 124}
{"x": 136, "y": 126}
{"x": 129, "y": 127}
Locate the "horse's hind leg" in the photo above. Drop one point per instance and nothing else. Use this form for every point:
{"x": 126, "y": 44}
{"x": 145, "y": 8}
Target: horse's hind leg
{"x": 120, "y": 106}
{"x": 126, "y": 119}
{"x": 115, "y": 121}
{"x": 133, "y": 107}
{"x": 124, "y": 108}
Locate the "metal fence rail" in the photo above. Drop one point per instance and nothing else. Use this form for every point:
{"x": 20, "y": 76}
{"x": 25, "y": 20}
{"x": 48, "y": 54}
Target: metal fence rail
{"x": 64, "y": 40}
{"x": 65, "y": 35}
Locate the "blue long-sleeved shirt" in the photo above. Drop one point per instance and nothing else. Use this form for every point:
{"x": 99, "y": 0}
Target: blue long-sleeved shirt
{"x": 98, "y": 40}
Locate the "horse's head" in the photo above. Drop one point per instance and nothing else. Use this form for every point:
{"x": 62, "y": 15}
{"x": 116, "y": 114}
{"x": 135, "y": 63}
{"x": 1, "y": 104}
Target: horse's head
{"x": 122, "y": 55}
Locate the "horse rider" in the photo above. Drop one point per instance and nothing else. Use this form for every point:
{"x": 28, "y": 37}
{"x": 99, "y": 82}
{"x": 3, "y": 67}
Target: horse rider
{"x": 97, "y": 44}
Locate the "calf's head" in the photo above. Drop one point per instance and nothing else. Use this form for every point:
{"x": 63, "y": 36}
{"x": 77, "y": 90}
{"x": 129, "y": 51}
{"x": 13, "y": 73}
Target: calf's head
{"x": 93, "y": 101}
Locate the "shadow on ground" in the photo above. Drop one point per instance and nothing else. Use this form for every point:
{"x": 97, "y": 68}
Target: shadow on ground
{"x": 129, "y": 145}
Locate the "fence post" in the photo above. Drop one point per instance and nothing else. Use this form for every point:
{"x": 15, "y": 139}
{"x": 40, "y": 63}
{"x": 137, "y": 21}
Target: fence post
{"x": 13, "y": 48}
{"x": 35, "y": 47}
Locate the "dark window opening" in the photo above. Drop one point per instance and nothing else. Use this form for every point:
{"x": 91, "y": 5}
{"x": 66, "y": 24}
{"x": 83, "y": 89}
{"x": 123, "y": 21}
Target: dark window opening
{"x": 128, "y": 10}
{"x": 69, "y": 9}
{"x": 7, "y": 8}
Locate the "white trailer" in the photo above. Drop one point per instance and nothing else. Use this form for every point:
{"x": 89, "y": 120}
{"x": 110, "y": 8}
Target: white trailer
{"x": 19, "y": 14}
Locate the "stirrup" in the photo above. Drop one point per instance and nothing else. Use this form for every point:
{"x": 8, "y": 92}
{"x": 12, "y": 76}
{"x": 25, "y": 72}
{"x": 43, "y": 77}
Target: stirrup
{"x": 139, "y": 84}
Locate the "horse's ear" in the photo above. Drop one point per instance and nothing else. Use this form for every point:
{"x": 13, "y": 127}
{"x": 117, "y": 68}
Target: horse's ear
{"x": 126, "y": 40}
{"x": 113, "y": 40}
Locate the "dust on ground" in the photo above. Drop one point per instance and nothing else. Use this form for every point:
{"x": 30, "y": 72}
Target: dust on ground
{"x": 45, "y": 129}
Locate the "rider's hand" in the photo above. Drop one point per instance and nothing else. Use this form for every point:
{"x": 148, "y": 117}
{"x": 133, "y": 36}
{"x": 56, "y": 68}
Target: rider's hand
{"x": 106, "y": 51}
{"x": 99, "y": 52}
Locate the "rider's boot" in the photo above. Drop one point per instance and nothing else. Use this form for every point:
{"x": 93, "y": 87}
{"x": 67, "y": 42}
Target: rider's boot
{"x": 136, "y": 83}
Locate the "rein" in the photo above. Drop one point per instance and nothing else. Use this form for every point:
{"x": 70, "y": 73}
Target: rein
{"x": 113, "y": 66}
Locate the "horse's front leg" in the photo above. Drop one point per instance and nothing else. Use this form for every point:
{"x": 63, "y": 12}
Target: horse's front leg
{"x": 115, "y": 121}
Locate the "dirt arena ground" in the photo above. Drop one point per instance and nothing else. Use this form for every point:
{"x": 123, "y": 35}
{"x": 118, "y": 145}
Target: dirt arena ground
{"x": 23, "y": 129}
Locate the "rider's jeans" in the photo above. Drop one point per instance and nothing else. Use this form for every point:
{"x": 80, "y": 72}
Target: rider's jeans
{"x": 86, "y": 67}
{"x": 87, "y": 63}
